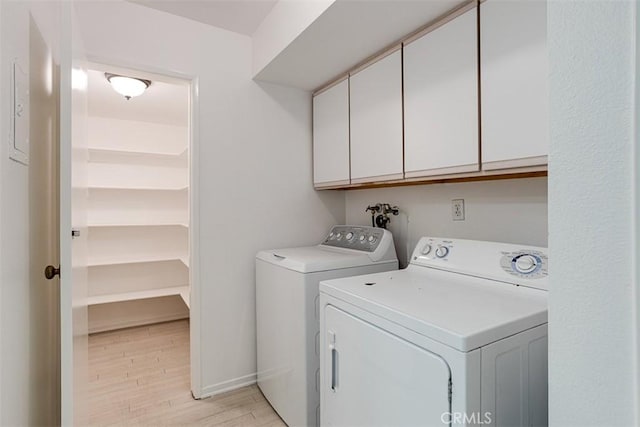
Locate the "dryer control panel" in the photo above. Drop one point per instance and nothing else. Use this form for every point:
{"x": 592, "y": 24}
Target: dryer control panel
{"x": 355, "y": 237}
{"x": 527, "y": 264}
{"x": 505, "y": 262}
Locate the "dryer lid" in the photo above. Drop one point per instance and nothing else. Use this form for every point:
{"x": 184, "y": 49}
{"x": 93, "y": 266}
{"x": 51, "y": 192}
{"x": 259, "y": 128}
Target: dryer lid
{"x": 316, "y": 258}
{"x": 461, "y": 311}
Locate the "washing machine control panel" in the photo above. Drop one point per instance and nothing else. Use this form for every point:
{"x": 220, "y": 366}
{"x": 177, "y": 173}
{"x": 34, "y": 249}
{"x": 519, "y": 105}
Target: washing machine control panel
{"x": 361, "y": 238}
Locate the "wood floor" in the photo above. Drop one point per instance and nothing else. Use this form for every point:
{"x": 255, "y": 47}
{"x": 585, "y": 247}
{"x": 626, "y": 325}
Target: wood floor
{"x": 140, "y": 376}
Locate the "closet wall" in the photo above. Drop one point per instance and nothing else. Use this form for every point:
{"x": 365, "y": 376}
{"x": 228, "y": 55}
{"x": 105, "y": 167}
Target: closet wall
{"x": 137, "y": 214}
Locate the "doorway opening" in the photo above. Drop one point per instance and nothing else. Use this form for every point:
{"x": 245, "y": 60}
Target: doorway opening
{"x": 138, "y": 217}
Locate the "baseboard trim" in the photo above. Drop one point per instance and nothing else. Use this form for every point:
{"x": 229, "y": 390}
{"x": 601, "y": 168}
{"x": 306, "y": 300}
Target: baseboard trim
{"x": 223, "y": 387}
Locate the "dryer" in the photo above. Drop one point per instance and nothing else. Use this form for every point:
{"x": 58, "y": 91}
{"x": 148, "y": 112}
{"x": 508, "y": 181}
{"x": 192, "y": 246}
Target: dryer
{"x": 457, "y": 338}
{"x": 288, "y": 316}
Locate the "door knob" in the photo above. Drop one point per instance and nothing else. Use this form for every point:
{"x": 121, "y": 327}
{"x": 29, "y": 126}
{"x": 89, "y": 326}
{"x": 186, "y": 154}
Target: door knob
{"x": 50, "y": 272}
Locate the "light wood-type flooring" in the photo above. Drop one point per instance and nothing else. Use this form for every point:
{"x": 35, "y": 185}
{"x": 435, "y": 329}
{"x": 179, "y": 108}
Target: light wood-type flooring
{"x": 140, "y": 376}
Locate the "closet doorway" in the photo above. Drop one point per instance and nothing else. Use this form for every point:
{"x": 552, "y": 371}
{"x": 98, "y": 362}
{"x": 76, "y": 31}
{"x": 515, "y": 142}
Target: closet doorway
{"x": 138, "y": 215}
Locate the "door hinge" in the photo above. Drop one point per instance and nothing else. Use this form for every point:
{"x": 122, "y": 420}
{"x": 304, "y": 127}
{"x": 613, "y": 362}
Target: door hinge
{"x": 75, "y": 232}
{"x": 450, "y": 390}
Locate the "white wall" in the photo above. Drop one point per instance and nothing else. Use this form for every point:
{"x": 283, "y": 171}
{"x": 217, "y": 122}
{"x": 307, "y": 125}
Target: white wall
{"x": 286, "y": 21}
{"x": 28, "y": 385}
{"x": 254, "y": 166}
{"x": 592, "y": 358}
{"x": 512, "y": 211}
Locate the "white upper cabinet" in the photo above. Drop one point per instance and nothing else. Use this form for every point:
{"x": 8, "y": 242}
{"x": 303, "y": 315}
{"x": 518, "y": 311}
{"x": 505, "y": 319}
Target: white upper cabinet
{"x": 441, "y": 99}
{"x": 514, "y": 83}
{"x": 376, "y": 121}
{"x": 331, "y": 136}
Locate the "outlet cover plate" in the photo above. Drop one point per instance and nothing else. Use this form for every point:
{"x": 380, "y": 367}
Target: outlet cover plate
{"x": 457, "y": 209}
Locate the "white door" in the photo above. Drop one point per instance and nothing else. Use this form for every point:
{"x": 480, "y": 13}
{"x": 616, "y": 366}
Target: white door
{"x": 376, "y": 121}
{"x": 373, "y": 378}
{"x": 331, "y": 136}
{"x": 42, "y": 330}
{"x": 514, "y": 83}
{"x": 73, "y": 197}
{"x": 441, "y": 99}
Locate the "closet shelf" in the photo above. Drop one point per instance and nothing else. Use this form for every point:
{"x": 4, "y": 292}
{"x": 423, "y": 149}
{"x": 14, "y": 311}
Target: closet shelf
{"x": 145, "y": 224}
{"x": 182, "y": 291}
{"x": 105, "y": 155}
{"x": 137, "y": 259}
{"x": 138, "y": 188}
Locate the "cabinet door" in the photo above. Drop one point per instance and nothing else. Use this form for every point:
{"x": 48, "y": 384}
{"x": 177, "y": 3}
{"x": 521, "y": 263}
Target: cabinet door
{"x": 376, "y": 121}
{"x": 331, "y": 136}
{"x": 514, "y": 83}
{"x": 441, "y": 99}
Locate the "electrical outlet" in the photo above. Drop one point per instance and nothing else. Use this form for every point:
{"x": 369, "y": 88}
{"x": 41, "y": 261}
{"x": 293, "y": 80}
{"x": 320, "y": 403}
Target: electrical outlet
{"x": 457, "y": 209}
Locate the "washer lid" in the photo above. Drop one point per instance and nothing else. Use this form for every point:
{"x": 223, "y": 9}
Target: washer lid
{"x": 461, "y": 311}
{"x": 316, "y": 258}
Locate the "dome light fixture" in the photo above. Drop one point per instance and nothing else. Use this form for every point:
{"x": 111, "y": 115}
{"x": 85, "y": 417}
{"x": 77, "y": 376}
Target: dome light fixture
{"x": 127, "y": 86}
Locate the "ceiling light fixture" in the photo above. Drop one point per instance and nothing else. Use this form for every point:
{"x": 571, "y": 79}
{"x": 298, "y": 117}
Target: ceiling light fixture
{"x": 127, "y": 86}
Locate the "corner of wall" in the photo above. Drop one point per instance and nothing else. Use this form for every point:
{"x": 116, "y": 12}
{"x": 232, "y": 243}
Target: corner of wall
{"x": 286, "y": 21}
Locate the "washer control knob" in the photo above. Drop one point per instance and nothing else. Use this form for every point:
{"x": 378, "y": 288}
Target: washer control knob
{"x": 372, "y": 239}
{"x": 349, "y": 236}
{"x": 442, "y": 251}
{"x": 525, "y": 264}
{"x": 339, "y": 236}
{"x": 426, "y": 250}
{"x": 362, "y": 238}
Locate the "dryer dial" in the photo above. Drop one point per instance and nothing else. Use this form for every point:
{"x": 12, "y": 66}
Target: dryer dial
{"x": 525, "y": 263}
{"x": 442, "y": 251}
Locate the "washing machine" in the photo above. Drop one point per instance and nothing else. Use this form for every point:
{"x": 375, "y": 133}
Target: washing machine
{"x": 458, "y": 338}
{"x": 287, "y": 312}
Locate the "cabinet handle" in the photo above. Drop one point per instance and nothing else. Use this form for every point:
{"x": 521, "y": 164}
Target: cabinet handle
{"x": 334, "y": 369}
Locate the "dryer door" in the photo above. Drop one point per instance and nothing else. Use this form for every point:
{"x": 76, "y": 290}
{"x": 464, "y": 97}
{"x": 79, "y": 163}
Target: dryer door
{"x": 371, "y": 377}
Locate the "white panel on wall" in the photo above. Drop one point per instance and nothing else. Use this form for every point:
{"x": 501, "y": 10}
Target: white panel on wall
{"x": 441, "y": 99}
{"x": 513, "y": 211}
{"x": 331, "y": 135}
{"x": 376, "y": 120}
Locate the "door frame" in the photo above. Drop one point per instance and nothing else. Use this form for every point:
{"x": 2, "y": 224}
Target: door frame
{"x": 194, "y": 204}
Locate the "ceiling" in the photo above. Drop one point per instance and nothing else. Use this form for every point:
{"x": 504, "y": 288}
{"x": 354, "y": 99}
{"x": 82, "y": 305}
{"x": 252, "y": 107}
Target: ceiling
{"x": 240, "y": 16}
{"x": 347, "y": 33}
{"x": 164, "y": 102}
